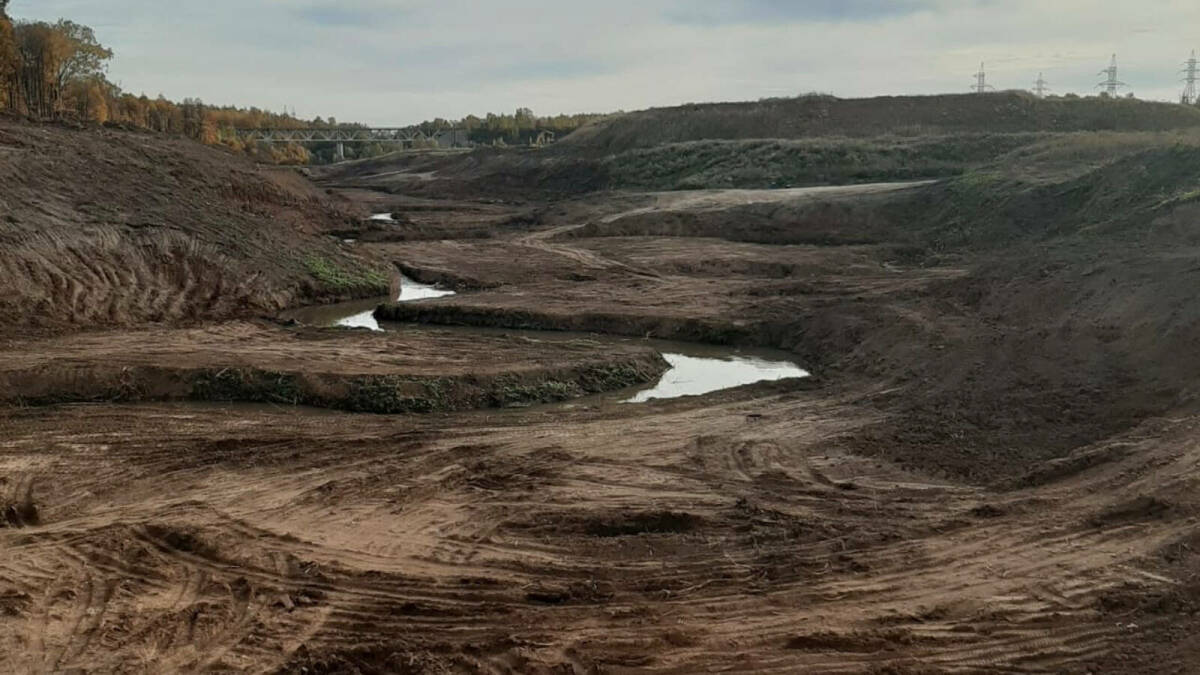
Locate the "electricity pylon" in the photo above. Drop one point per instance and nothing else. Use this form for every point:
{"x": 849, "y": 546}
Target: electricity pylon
{"x": 1111, "y": 84}
{"x": 981, "y": 86}
{"x": 1191, "y": 73}
{"x": 1041, "y": 87}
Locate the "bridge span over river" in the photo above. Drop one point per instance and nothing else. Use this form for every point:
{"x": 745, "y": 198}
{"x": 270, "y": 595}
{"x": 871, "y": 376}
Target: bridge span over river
{"x": 404, "y": 137}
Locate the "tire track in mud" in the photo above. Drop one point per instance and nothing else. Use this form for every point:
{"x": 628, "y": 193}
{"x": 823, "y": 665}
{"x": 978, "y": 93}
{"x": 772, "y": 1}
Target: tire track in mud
{"x": 86, "y": 621}
{"x": 81, "y": 280}
{"x": 541, "y": 241}
{"x": 506, "y": 570}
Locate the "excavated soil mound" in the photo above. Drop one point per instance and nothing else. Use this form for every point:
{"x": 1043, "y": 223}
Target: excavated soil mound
{"x": 100, "y": 227}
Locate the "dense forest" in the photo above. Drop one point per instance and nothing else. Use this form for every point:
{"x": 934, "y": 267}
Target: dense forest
{"x": 58, "y": 71}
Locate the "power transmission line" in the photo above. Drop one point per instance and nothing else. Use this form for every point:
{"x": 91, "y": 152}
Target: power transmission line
{"x": 981, "y": 86}
{"x": 1111, "y": 84}
{"x": 1041, "y": 87}
{"x": 1192, "y": 76}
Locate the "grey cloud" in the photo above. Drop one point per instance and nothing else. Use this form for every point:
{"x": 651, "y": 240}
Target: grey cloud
{"x": 718, "y": 12}
{"x": 335, "y": 16}
{"x": 401, "y": 61}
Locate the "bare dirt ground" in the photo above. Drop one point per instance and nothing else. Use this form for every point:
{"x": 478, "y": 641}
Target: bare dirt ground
{"x": 993, "y": 471}
{"x": 689, "y": 537}
{"x": 108, "y": 227}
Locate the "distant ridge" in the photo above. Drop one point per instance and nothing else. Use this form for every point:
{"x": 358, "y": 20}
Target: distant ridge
{"x": 819, "y": 115}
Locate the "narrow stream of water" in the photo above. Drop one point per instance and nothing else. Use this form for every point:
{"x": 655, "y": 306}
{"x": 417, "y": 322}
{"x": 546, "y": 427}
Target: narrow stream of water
{"x": 696, "y": 369}
{"x": 361, "y": 313}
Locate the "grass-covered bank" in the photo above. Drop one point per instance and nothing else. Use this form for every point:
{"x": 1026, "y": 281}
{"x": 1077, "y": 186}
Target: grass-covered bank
{"x": 365, "y": 393}
{"x": 412, "y": 371}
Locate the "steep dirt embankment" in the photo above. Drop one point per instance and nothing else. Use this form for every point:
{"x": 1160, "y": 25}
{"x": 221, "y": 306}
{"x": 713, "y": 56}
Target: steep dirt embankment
{"x": 1075, "y": 316}
{"x": 100, "y": 226}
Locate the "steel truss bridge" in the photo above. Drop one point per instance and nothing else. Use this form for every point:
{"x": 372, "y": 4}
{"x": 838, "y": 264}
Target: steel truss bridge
{"x": 406, "y": 137}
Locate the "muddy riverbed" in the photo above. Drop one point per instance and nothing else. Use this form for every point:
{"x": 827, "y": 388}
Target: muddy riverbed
{"x": 696, "y": 369}
{"x": 360, "y": 314}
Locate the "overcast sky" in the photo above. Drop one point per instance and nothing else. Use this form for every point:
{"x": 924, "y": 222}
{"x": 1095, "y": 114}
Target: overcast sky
{"x": 394, "y": 62}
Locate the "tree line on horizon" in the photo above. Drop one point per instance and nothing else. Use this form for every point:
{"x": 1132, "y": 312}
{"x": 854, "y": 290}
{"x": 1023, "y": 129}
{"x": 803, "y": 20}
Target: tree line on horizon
{"x": 495, "y": 129}
{"x": 58, "y": 71}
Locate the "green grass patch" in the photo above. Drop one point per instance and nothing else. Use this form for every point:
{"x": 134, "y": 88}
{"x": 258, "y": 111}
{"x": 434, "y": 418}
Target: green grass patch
{"x": 511, "y": 392}
{"x": 390, "y": 395}
{"x": 232, "y": 384}
{"x": 761, "y": 164}
{"x": 337, "y": 278}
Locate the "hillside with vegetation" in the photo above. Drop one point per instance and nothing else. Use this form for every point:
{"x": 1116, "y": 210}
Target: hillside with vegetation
{"x": 784, "y": 143}
{"x": 903, "y": 116}
{"x": 58, "y": 71}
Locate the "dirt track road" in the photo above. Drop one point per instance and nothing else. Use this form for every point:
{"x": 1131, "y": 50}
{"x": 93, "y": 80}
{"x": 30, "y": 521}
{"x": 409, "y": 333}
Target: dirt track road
{"x": 719, "y": 200}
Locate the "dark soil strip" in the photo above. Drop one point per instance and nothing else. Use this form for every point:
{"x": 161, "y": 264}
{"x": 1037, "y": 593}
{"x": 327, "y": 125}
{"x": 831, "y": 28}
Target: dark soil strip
{"x": 667, "y": 328}
{"x": 382, "y": 394}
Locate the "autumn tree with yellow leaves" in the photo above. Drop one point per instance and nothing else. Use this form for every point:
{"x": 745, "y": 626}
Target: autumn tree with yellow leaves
{"x": 58, "y": 71}
{"x": 8, "y": 59}
{"x": 50, "y": 62}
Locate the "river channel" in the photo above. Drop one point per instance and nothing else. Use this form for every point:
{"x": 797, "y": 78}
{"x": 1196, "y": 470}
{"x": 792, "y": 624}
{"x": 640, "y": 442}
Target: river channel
{"x": 696, "y": 369}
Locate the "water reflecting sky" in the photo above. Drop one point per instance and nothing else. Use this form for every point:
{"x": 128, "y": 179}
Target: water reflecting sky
{"x": 692, "y": 375}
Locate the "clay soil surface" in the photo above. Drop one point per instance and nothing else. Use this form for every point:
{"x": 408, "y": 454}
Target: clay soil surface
{"x": 958, "y": 489}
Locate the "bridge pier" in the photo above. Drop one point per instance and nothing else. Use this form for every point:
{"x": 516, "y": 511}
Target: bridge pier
{"x": 340, "y": 154}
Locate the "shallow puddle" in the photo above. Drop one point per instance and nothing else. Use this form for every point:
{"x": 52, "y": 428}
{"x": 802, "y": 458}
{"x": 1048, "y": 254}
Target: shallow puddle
{"x": 696, "y": 375}
{"x": 361, "y": 314}
{"x": 361, "y": 320}
{"x": 696, "y": 369}
{"x": 413, "y": 290}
